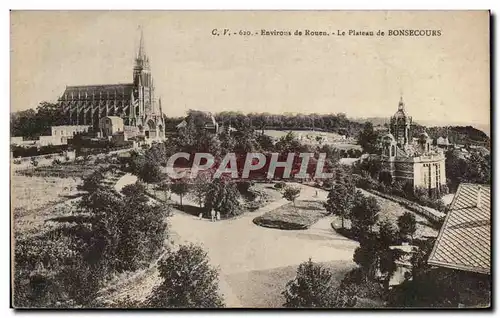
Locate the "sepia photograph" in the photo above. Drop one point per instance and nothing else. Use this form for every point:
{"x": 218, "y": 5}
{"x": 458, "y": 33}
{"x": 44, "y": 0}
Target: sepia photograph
{"x": 250, "y": 159}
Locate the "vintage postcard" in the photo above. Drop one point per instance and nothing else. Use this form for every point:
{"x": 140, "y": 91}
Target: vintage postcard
{"x": 250, "y": 159}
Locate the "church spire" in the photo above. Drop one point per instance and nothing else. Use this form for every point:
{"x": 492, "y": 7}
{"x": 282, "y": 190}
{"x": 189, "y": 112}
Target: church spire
{"x": 140, "y": 52}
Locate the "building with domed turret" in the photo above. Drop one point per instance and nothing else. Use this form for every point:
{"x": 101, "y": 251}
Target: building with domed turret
{"x": 411, "y": 159}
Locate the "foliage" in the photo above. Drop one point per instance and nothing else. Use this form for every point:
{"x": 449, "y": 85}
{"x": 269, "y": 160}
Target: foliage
{"x": 368, "y": 139}
{"x": 66, "y": 266}
{"x": 340, "y": 201}
{"x": 291, "y": 193}
{"x": 200, "y": 186}
{"x": 407, "y": 224}
{"x": 280, "y": 185}
{"x": 385, "y": 177}
{"x": 180, "y": 187}
{"x": 404, "y": 190}
{"x": 93, "y": 181}
{"x": 311, "y": 288}
{"x": 51, "y": 270}
{"x": 473, "y": 169}
{"x": 374, "y": 254}
{"x": 34, "y": 123}
{"x": 331, "y": 122}
{"x": 188, "y": 281}
{"x": 364, "y": 214}
{"x": 222, "y": 197}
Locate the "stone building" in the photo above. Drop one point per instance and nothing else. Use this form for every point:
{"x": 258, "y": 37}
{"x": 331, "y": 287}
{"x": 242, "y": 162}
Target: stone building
{"x": 111, "y": 125}
{"x": 411, "y": 159}
{"x": 133, "y": 102}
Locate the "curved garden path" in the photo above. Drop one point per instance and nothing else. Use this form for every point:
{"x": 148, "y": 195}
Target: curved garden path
{"x": 256, "y": 262}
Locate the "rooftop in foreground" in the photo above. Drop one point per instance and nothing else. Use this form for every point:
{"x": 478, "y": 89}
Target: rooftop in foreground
{"x": 464, "y": 241}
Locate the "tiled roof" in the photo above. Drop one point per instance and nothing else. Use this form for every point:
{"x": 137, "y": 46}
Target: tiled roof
{"x": 464, "y": 241}
{"x": 98, "y": 91}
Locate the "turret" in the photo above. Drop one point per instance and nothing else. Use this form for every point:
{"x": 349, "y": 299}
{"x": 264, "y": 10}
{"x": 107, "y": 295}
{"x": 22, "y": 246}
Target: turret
{"x": 400, "y": 125}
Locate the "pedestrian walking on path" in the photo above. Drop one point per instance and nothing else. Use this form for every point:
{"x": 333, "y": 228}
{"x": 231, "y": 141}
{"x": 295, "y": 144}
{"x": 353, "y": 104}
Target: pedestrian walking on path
{"x": 212, "y": 214}
{"x": 218, "y": 216}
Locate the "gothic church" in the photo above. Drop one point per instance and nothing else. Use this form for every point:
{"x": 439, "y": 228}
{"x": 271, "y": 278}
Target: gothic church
{"x": 134, "y": 102}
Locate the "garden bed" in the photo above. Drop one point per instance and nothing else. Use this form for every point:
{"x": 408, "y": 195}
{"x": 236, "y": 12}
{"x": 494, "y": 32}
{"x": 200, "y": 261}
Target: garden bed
{"x": 287, "y": 217}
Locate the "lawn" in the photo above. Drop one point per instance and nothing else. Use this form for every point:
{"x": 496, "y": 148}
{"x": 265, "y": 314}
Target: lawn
{"x": 35, "y": 199}
{"x": 390, "y": 211}
{"x": 287, "y": 217}
{"x": 64, "y": 170}
{"x": 263, "y": 288}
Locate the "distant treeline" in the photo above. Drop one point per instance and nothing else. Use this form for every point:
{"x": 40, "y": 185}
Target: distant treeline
{"x": 31, "y": 124}
{"x": 456, "y": 134}
{"x": 338, "y": 123}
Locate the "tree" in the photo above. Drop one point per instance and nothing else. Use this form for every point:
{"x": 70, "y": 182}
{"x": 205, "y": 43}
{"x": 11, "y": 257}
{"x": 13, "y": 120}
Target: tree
{"x": 311, "y": 288}
{"x": 264, "y": 142}
{"x": 150, "y": 171}
{"x": 200, "y": 187}
{"x": 364, "y": 214}
{"x": 366, "y": 255}
{"x": 222, "y": 196}
{"x": 291, "y": 194}
{"x": 385, "y": 177}
{"x": 407, "y": 224}
{"x": 136, "y": 192}
{"x": 340, "y": 201}
{"x": 188, "y": 281}
{"x": 180, "y": 187}
{"x": 368, "y": 138}
{"x": 92, "y": 182}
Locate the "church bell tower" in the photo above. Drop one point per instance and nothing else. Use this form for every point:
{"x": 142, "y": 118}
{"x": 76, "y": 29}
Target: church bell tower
{"x": 143, "y": 81}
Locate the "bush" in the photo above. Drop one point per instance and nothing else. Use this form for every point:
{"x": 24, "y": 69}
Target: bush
{"x": 244, "y": 186}
{"x": 188, "y": 281}
{"x": 17, "y": 161}
{"x": 280, "y": 185}
{"x": 327, "y": 184}
{"x": 92, "y": 182}
{"x": 34, "y": 162}
{"x": 313, "y": 288}
{"x": 56, "y": 162}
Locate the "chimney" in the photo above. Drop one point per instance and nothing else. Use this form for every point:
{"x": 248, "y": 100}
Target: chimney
{"x": 479, "y": 197}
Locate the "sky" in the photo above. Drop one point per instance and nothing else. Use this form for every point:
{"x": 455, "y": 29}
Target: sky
{"x": 442, "y": 78}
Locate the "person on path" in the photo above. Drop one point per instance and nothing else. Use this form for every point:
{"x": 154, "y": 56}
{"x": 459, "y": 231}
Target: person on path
{"x": 218, "y": 216}
{"x": 212, "y": 214}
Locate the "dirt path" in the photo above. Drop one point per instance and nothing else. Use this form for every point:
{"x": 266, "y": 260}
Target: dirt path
{"x": 239, "y": 247}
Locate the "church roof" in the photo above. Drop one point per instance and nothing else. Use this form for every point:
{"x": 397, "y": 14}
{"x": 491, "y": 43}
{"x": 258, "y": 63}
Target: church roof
{"x": 464, "y": 241}
{"x": 98, "y": 91}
